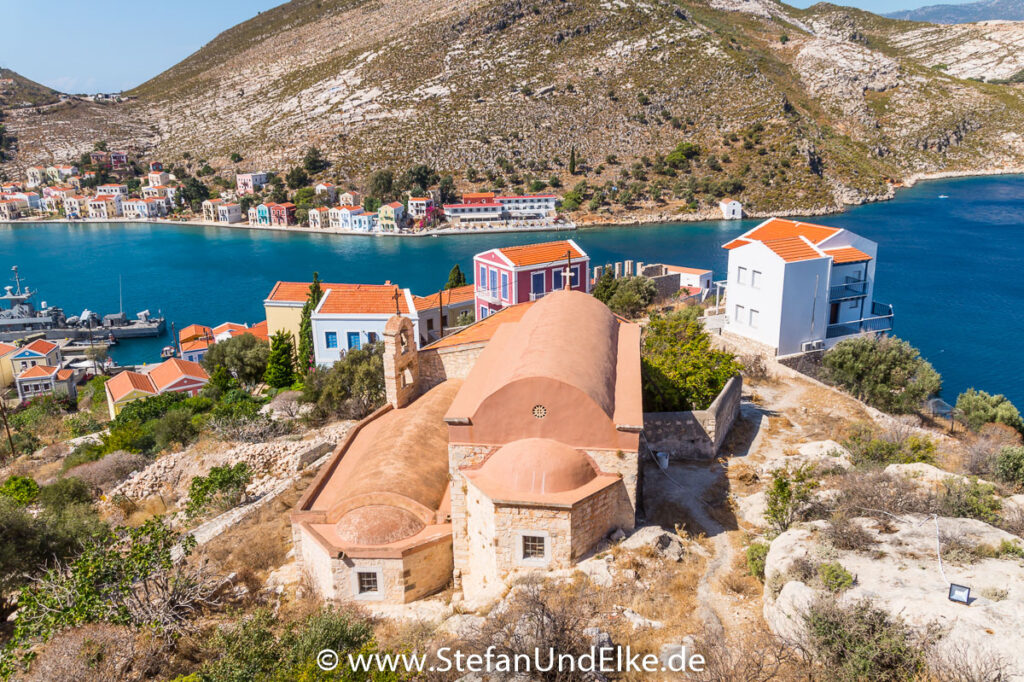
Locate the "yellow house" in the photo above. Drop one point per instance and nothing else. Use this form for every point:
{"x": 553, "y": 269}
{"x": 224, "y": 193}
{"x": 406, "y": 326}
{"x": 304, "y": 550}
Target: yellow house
{"x": 39, "y": 352}
{"x": 6, "y": 369}
{"x": 390, "y": 216}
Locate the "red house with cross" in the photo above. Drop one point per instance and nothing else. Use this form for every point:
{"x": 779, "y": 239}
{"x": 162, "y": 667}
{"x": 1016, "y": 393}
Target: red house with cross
{"x": 516, "y": 274}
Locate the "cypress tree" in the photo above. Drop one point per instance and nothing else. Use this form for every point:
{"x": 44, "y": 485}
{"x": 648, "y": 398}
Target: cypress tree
{"x": 280, "y": 372}
{"x": 305, "y": 353}
{"x": 456, "y": 278}
{"x": 572, "y": 161}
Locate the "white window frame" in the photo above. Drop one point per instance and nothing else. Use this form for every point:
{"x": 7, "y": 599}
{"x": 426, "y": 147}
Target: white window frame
{"x": 738, "y": 317}
{"x": 377, "y": 595}
{"x": 741, "y": 275}
{"x": 755, "y": 279}
{"x": 754, "y": 317}
{"x": 517, "y": 538}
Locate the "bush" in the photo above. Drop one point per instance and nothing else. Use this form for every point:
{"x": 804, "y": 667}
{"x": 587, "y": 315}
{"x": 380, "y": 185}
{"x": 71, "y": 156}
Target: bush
{"x": 680, "y": 369}
{"x": 154, "y": 407}
{"x": 895, "y": 446}
{"x": 978, "y": 408}
{"x": 280, "y": 363}
{"x": 834, "y": 577}
{"x": 876, "y": 494}
{"x": 63, "y": 493}
{"x": 788, "y": 497}
{"x": 221, "y": 489}
{"x": 20, "y": 489}
{"x": 969, "y": 499}
{"x": 842, "y": 533}
{"x": 174, "y": 427}
{"x": 1010, "y": 465}
{"x": 757, "y": 553}
{"x": 885, "y": 372}
{"x": 243, "y": 356}
{"x": 82, "y": 425}
{"x": 861, "y": 642}
{"x": 351, "y": 389}
{"x": 108, "y": 471}
{"x": 631, "y": 296}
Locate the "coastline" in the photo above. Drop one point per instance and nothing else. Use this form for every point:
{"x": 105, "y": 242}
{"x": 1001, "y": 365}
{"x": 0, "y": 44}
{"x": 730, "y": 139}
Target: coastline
{"x": 581, "y": 223}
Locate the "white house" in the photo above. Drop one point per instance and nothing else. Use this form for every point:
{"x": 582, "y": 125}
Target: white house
{"x": 418, "y": 206}
{"x": 731, "y": 209}
{"x": 350, "y": 198}
{"x": 364, "y": 222}
{"x": 796, "y": 287}
{"x": 340, "y": 217}
{"x": 157, "y": 178}
{"x": 326, "y": 188}
{"x": 229, "y": 213}
{"x": 350, "y": 316}
{"x": 113, "y": 189}
{"x": 319, "y": 218}
{"x": 530, "y": 206}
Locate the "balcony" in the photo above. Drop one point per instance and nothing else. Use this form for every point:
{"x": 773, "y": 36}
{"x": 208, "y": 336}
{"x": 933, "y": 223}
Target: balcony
{"x": 536, "y": 296}
{"x": 847, "y": 290}
{"x": 489, "y": 295}
{"x": 880, "y": 321}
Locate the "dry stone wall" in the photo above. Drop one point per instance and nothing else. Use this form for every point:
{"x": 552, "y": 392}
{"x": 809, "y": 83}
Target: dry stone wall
{"x": 696, "y": 434}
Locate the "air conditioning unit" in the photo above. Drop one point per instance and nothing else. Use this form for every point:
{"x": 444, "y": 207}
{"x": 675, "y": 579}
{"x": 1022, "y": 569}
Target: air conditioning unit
{"x": 808, "y": 346}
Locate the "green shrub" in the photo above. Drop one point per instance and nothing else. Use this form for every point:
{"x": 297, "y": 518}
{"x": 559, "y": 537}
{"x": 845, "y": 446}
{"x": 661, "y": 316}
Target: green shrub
{"x": 969, "y": 499}
{"x": 21, "y": 489}
{"x": 788, "y": 496}
{"x": 352, "y": 388}
{"x": 64, "y": 493}
{"x": 82, "y": 424}
{"x": 861, "y": 642}
{"x": 834, "y": 577}
{"x": 885, "y": 372}
{"x": 757, "y": 553}
{"x": 1010, "y": 465}
{"x": 223, "y": 488}
{"x": 978, "y": 408}
{"x": 869, "y": 447}
{"x": 175, "y": 427}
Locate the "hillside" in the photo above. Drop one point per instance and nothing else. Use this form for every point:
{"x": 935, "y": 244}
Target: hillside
{"x": 18, "y": 91}
{"x": 985, "y": 10}
{"x": 793, "y": 110}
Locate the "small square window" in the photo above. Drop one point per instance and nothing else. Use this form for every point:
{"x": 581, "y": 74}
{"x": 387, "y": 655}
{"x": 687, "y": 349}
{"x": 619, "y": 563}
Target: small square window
{"x": 739, "y": 314}
{"x": 533, "y": 547}
{"x": 741, "y": 275}
{"x": 753, "y": 318}
{"x": 755, "y": 278}
{"x": 367, "y": 582}
{"x": 331, "y": 339}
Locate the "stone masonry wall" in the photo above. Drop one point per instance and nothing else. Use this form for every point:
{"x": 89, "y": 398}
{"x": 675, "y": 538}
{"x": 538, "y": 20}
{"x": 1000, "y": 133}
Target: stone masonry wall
{"x": 597, "y": 516}
{"x": 437, "y": 365}
{"x": 460, "y": 455}
{"x": 623, "y": 462}
{"x": 427, "y": 570}
{"x": 696, "y": 434}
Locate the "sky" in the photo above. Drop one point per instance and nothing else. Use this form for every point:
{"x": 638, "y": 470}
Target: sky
{"x": 115, "y": 45}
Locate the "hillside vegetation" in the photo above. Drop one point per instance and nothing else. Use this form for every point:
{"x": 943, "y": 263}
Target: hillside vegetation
{"x": 18, "y": 91}
{"x": 790, "y": 110}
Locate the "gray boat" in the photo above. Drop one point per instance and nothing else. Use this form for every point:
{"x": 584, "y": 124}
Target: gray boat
{"x": 20, "y": 319}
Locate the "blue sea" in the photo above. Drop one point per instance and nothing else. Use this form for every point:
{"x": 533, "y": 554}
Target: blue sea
{"x": 950, "y": 266}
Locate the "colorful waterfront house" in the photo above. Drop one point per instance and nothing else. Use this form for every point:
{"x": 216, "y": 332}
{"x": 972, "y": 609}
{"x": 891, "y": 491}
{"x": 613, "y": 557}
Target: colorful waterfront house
{"x": 157, "y": 178}
{"x": 340, "y": 217}
{"x": 365, "y": 222}
{"x": 171, "y": 192}
{"x": 113, "y": 189}
{"x": 475, "y": 213}
{"x": 796, "y": 287}
{"x": 326, "y": 188}
{"x": 210, "y": 208}
{"x": 529, "y": 206}
{"x": 35, "y": 176}
{"x": 439, "y": 311}
{"x": 249, "y": 183}
{"x": 350, "y": 198}
{"x": 171, "y": 376}
{"x": 105, "y": 206}
{"x": 229, "y": 213}
{"x": 391, "y": 216}
{"x": 418, "y": 206}
{"x": 195, "y": 351}
{"x": 52, "y": 204}
{"x": 351, "y": 316}
{"x": 319, "y": 218}
{"x": 156, "y": 207}
{"x": 76, "y": 206}
{"x": 39, "y": 352}
{"x": 253, "y": 215}
{"x": 134, "y": 208}
{"x": 282, "y": 214}
{"x": 263, "y": 214}
{"x": 283, "y": 305}
{"x": 46, "y": 380}
{"x": 118, "y": 161}
{"x": 152, "y": 191}
{"x": 7, "y": 350}
{"x": 10, "y": 209}
{"x": 517, "y": 274}
{"x": 193, "y": 332}
{"x": 30, "y": 200}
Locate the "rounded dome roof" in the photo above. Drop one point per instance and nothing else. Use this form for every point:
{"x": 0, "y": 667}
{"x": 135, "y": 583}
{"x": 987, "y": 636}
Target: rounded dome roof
{"x": 537, "y": 466}
{"x": 377, "y": 524}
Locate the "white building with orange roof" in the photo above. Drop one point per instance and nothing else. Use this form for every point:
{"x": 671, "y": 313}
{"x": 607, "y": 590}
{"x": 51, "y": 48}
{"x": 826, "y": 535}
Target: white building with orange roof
{"x": 340, "y": 217}
{"x": 796, "y": 287}
{"x": 34, "y": 176}
{"x": 105, "y": 206}
{"x": 731, "y": 209}
{"x": 327, "y": 188}
{"x": 319, "y": 218}
{"x": 113, "y": 188}
{"x": 418, "y": 206}
{"x": 157, "y": 178}
{"x": 350, "y": 198}
{"x": 43, "y": 380}
{"x": 516, "y": 274}
{"x": 351, "y": 316}
{"x": 171, "y": 376}
{"x": 210, "y": 208}
{"x": 76, "y": 206}
{"x": 10, "y": 209}
{"x": 229, "y": 213}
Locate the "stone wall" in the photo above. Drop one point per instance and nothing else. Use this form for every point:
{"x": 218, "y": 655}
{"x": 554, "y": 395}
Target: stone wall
{"x": 696, "y": 434}
{"x": 597, "y": 516}
{"x": 401, "y": 362}
{"x": 440, "y": 364}
{"x": 626, "y": 463}
{"x": 427, "y": 569}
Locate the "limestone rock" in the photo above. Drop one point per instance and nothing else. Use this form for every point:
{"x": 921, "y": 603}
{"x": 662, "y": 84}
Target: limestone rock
{"x": 463, "y": 625}
{"x": 752, "y": 508}
{"x": 822, "y": 455}
{"x": 666, "y": 544}
{"x": 924, "y": 474}
{"x": 637, "y": 621}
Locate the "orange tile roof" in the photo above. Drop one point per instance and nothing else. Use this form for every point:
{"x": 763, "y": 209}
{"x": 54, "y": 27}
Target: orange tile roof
{"x": 194, "y": 331}
{"x": 170, "y": 371}
{"x": 124, "y": 383}
{"x": 41, "y": 346}
{"x": 297, "y": 292}
{"x": 363, "y": 298}
{"x": 228, "y": 327}
{"x": 197, "y": 344}
{"x": 484, "y": 329}
{"x": 65, "y": 374}
{"x": 260, "y": 330}
{"x": 478, "y": 195}
{"x": 38, "y": 372}
{"x": 847, "y": 254}
{"x": 545, "y": 252}
{"x": 792, "y": 249}
{"x": 447, "y": 297}
{"x": 779, "y": 228}
{"x": 6, "y": 348}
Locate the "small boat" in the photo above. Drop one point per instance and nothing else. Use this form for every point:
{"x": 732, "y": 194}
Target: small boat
{"x": 943, "y": 196}
{"x": 111, "y": 339}
{"x": 168, "y": 352}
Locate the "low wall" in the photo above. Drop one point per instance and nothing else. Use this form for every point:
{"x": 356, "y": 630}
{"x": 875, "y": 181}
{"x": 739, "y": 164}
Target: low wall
{"x": 696, "y": 434}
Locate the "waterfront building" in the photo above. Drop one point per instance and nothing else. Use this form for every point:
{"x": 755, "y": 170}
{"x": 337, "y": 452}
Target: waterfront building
{"x": 350, "y": 198}
{"x": 173, "y": 375}
{"x": 35, "y": 176}
{"x": 418, "y": 206}
{"x": 133, "y": 208}
{"x": 507, "y": 449}
{"x": 210, "y": 208}
{"x": 114, "y": 189}
{"x": 105, "y": 206}
{"x": 326, "y": 188}
{"x": 46, "y": 380}
{"x": 340, "y": 217}
{"x": 319, "y": 218}
{"x": 7, "y": 350}
{"x": 229, "y": 213}
{"x": 250, "y": 183}
{"x": 351, "y": 316}
{"x": 282, "y": 214}
{"x": 157, "y": 207}
{"x": 516, "y": 274}
{"x": 76, "y": 206}
{"x": 439, "y": 311}
{"x": 796, "y": 287}
{"x": 475, "y": 212}
{"x": 731, "y": 209}
{"x": 365, "y": 222}
{"x": 39, "y": 352}
{"x": 390, "y": 217}
{"x": 529, "y": 207}
{"x": 263, "y": 214}
{"x": 52, "y": 204}
{"x": 10, "y": 209}
{"x": 253, "y": 215}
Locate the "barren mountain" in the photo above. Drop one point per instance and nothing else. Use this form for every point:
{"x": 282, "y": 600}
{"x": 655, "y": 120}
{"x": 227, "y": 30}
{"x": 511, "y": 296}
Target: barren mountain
{"x": 968, "y": 12}
{"x": 804, "y": 109}
{"x": 18, "y": 91}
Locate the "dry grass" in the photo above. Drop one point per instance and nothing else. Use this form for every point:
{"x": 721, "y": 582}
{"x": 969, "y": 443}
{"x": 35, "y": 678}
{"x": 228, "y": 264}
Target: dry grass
{"x": 739, "y": 582}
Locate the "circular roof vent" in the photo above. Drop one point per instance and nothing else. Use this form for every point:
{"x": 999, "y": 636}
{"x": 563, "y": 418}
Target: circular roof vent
{"x": 539, "y": 411}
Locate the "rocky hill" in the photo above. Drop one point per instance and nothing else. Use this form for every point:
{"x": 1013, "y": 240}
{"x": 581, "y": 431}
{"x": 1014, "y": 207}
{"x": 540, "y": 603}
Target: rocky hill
{"x": 794, "y": 110}
{"x": 968, "y": 12}
{"x": 18, "y": 91}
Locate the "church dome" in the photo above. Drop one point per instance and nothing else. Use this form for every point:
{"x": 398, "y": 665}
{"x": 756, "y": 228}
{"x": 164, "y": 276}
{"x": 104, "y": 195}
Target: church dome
{"x": 377, "y": 524}
{"x": 536, "y": 466}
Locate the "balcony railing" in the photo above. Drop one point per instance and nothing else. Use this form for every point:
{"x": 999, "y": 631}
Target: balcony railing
{"x": 880, "y": 321}
{"x": 848, "y": 290}
{"x": 536, "y": 296}
{"x": 488, "y": 294}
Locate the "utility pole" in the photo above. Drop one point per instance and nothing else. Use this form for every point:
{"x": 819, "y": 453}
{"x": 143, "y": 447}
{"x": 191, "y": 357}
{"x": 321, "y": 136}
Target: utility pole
{"x": 7, "y": 427}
